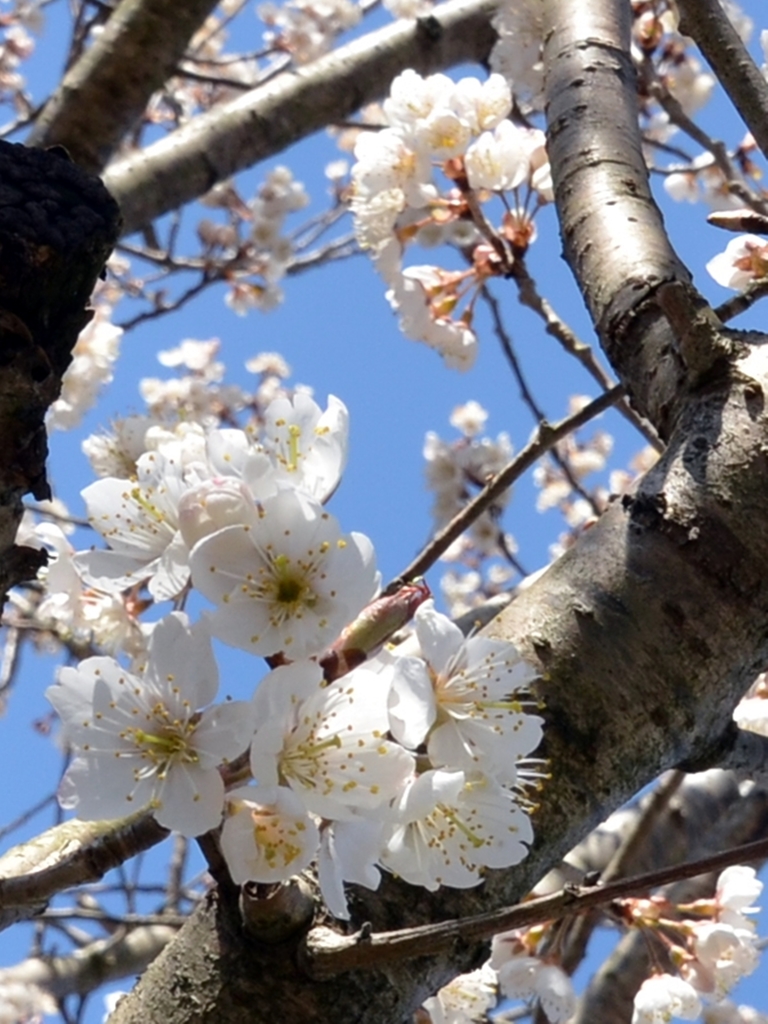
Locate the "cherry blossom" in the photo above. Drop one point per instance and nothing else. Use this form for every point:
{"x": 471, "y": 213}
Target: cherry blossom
{"x": 528, "y": 977}
{"x": 664, "y": 996}
{"x": 328, "y": 742}
{"x": 465, "y": 698}
{"x": 267, "y": 834}
{"x": 744, "y": 260}
{"x": 140, "y": 738}
{"x": 93, "y": 358}
{"x": 450, "y": 826}
{"x": 465, "y": 999}
{"x": 308, "y": 447}
{"x": 285, "y": 579}
{"x": 349, "y": 851}
{"x": 498, "y": 160}
{"x": 139, "y": 518}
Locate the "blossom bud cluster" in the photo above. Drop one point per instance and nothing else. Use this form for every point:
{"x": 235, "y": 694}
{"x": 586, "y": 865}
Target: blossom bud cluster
{"x": 414, "y": 762}
{"x": 306, "y": 29}
{"x": 448, "y": 147}
{"x": 514, "y": 971}
{"x": 253, "y": 240}
{"x": 712, "y": 943}
{"x": 454, "y": 472}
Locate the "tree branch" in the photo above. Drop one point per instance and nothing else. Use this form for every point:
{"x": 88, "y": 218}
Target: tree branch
{"x": 326, "y": 953}
{"x": 706, "y": 22}
{"x": 235, "y": 135}
{"x": 107, "y": 90}
{"x": 545, "y": 437}
{"x": 69, "y": 854}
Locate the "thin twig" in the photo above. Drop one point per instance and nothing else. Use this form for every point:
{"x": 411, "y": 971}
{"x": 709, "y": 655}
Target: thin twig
{"x": 583, "y": 926}
{"x": 741, "y": 303}
{"x": 327, "y": 953}
{"x": 677, "y": 116}
{"x": 546, "y": 436}
{"x": 527, "y": 395}
{"x": 555, "y": 326}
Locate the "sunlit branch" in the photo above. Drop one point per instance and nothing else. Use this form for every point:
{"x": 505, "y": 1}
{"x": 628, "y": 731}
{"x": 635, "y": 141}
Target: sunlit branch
{"x": 106, "y": 91}
{"x": 707, "y": 23}
{"x": 327, "y": 953}
{"x": 80, "y": 851}
{"x": 189, "y": 162}
{"x": 545, "y": 437}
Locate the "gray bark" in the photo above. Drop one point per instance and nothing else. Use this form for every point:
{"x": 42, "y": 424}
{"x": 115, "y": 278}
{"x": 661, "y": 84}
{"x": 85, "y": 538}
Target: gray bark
{"x": 105, "y": 93}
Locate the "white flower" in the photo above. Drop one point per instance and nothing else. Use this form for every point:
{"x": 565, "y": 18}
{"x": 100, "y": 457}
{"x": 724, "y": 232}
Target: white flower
{"x": 139, "y": 519}
{"x": 468, "y": 418}
{"x": 308, "y": 447}
{"x": 735, "y": 893}
{"x": 465, "y": 697}
{"x": 412, "y": 99}
{"x": 664, "y": 996}
{"x": 744, "y": 260}
{"x": 286, "y": 579}
{"x": 751, "y": 713}
{"x": 267, "y": 834}
{"x": 528, "y": 977}
{"x": 451, "y": 826}
{"x": 327, "y": 742}
{"x": 726, "y": 953}
{"x": 348, "y": 852}
{"x": 465, "y": 999}
{"x": 498, "y": 160}
{"x": 384, "y": 162}
{"x": 93, "y": 357}
{"x": 140, "y": 739}
{"x": 554, "y": 991}
{"x": 483, "y": 105}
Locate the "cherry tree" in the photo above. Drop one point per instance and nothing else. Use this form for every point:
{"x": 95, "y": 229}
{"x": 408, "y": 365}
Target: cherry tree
{"x": 411, "y": 813}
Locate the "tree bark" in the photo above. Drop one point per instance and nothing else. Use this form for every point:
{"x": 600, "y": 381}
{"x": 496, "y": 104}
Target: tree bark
{"x": 57, "y": 228}
{"x": 105, "y": 93}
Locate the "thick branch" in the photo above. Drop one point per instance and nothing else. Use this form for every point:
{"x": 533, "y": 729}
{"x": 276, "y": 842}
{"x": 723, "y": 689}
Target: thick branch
{"x": 612, "y": 230}
{"x": 706, "y": 22}
{"x": 101, "y": 961}
{"x": 107, "y": 90}
{"x": 234, "y": 135}
{"x": 67, "y": 855}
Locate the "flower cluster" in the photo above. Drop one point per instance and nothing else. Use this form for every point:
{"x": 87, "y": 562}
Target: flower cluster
{"x": 307, "y": 29}
{"x": 711, "y": 942}
{"x": 455, "y": 471}
{"x": 514, "y": 971}
{"x": 253, "y": 240}
{"x": 461, "y": 131}
{"x": 417, "y": 763}
{"x": 93, "y": 358}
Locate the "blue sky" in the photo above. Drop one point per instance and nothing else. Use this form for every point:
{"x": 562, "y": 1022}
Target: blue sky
{"x": 340, "y": 337}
